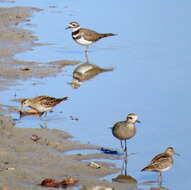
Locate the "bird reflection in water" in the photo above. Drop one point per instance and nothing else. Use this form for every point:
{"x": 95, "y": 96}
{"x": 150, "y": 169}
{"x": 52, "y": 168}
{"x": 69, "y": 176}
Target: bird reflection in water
{"x": 124, "y": 178}
{"x": 96, "y": 187}
{"x": 29, "y": 113}
{"x": 86, "y": 71}
{"x": 151, "y": 182}
{"x": 159, "y": 188}
{"x": 157, "y": 182}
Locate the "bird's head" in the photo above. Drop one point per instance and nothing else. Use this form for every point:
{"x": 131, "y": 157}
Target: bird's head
{"x": 25, "y": 102}
{"x": 73, "y": 26}
{"x": 170, "y": 151}
{"x": 133, "y": 118}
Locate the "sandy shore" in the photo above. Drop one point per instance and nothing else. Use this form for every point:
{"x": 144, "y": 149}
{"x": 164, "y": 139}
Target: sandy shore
{"x": 31, "y": 162}
{"x": 15, "y": 40}
{"x": 35, "y": 161}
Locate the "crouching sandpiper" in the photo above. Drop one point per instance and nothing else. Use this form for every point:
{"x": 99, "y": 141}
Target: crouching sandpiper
{"x": 42, "y": 104}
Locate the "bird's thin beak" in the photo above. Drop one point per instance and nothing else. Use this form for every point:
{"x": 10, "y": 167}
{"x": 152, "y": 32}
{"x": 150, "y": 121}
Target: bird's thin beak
{"x": 177, "y": 154}
{"x": 69, "y": 83}
{"x": 67, "y": 28}
{"x": 138, "y": 121}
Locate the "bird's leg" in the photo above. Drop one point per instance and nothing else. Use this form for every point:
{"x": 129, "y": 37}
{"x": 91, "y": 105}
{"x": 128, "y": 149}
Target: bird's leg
{"x": 43, "y": 125}
{"x": 86, "y": 55}
{"x": 125, "y": 168}
{"x": 160, "y": 178}
{"x": 125, "y": 150}
{"x": 121, "y": 142}
{"x": 43, "y": 113}
{"x": 20, "y": 116}
{"x": 86, "y": 49}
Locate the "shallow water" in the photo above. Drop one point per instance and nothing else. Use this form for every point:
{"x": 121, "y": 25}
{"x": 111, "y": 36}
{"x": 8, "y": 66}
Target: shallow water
{"x": 151, "y": 57}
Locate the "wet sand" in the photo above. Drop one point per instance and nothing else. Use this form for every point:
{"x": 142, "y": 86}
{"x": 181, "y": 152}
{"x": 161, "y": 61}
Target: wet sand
{"x": 34, "y": 161}
{"x": 15, "y": 40}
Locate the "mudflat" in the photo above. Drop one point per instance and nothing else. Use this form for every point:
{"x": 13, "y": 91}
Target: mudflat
{"x": 24, "y": 163}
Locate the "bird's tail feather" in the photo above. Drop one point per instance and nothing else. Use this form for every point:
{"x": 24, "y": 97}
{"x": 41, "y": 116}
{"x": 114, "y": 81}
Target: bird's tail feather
{"x": 107, "y": 34}
{"x": 63, "y": 99}
{"x": 107, "y": 69}
{"x": 147, "y": 168}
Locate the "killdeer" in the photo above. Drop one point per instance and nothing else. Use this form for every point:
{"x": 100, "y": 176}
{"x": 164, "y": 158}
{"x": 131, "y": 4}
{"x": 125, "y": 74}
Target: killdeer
{"x": 161, "y": 162}
{"x": 124, "y": 130}
{"x": 84, "y": 36}
{"x": 42, "y": 104}
{"x": 86, "y": 71}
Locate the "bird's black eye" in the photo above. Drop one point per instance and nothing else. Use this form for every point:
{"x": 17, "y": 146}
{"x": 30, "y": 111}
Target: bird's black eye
{"x": 130, "y": 118}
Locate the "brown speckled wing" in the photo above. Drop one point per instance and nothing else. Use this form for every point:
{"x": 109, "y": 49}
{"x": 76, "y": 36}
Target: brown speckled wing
{"x": 161, "y": 165}
{"x": 159, "y": 157}
{"x": 48, "y": 101}
{"x": 161, "y": 161}
{"x": 40, "y": 98}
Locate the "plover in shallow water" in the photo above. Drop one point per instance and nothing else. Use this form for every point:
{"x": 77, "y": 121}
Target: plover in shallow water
{"x": 124, "y": 130}
{"x": 84, "y": 36}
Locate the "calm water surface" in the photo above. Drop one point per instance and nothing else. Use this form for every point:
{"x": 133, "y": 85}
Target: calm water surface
{"x": 151, "y": 57}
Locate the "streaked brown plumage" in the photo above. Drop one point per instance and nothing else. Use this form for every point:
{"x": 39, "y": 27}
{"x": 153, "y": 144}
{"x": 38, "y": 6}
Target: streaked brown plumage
{"x": 161, "y": 162}
{"x": 42, "y": 103}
